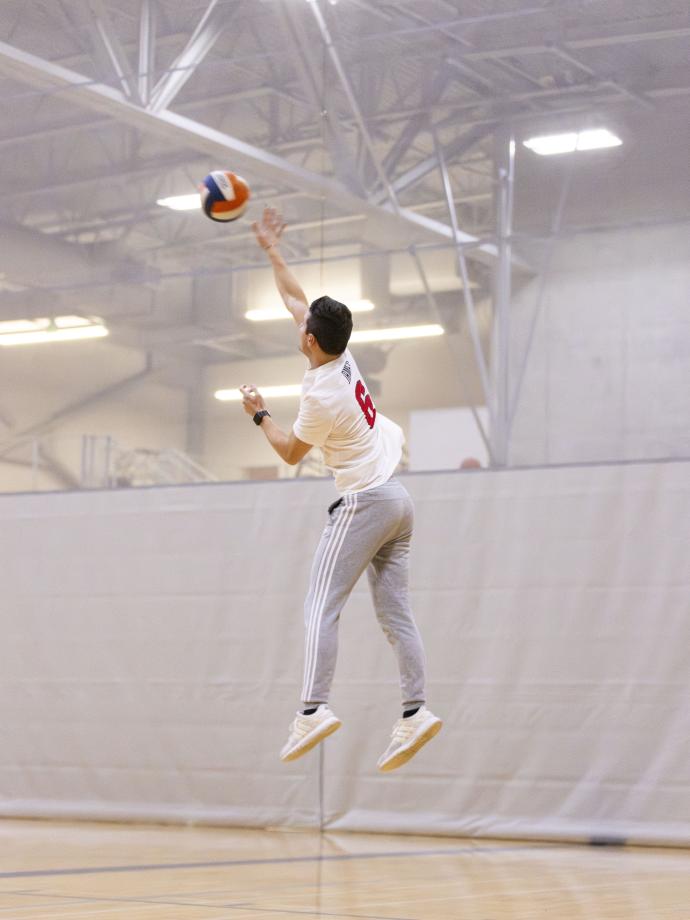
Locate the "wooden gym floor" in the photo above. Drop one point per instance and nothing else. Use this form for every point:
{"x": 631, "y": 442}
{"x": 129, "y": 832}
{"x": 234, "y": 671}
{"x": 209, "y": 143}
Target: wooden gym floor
{"x": 51, "y": 870}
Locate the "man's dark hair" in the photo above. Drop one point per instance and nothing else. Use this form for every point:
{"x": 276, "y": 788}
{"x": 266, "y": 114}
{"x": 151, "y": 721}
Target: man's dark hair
{"x": 330, "y": 322}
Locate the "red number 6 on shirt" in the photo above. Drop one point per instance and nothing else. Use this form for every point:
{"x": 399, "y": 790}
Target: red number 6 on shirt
{"x": 365, "y": 403}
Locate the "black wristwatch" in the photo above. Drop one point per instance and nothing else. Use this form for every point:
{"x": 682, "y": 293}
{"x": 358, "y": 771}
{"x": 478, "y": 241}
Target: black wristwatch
{"x": 259, "y": 416}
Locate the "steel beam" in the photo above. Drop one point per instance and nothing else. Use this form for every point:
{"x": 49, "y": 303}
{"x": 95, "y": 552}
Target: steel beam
{"x": 570, "y": 58}
{"x": 147, "y": 50}
{"x": 204, "y": 37}
{"x": 315, "y": 88}
{"x": 472, "y": 80}
{"x": 466, "y": 287}
{"x": 386, "y": 222}
{"x": 430, "y": 97}
{"x": 126, "y": 170}
{"x": 457, "y": 111}
{"x": 391, "y": 195}
{"x": 352, "y": 100}
{"x": 93, "y": 125}
{"x": 511, "y": 51}
{"x": 500, "y": 406}
{"x": 455, "y": 148}
{"x": 541, "y": 289}
{"x": 110, "y": 43}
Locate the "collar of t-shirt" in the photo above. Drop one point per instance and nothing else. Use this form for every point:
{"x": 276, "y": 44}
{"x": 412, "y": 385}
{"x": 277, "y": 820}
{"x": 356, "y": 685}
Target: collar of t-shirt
{"x": 312, "y": 373}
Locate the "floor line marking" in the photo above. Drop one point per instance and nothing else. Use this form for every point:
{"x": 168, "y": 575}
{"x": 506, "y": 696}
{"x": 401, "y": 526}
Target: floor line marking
{"x": 282, "y": 860}
{"x": 241, "y": 905}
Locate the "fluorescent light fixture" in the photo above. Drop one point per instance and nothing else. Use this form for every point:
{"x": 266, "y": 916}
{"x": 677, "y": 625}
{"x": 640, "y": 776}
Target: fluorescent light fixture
{"x": 267, "y": 314}
{"x": 70, "y": 322}
{"x": 549, "y": 144}
{"x": 23, "y": 325}
{"x": 291, "y": 389}
{"x": 181, "y": 202}
{"x": 271, "y": 313}
{"x": 592, "y": 139}
{"x": 60, "y": 329}
{"x": 363, "y": 335}
{"x": 597, "y": 139}
{"x": 396, "y": 333}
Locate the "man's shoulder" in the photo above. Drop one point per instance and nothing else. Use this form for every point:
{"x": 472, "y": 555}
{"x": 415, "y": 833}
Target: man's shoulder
{"x": 318, "y": 399}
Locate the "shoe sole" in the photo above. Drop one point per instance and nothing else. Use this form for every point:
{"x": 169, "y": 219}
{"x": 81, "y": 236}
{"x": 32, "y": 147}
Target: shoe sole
{"x": 402, "y": 757}
{"x": 327, "y": 730}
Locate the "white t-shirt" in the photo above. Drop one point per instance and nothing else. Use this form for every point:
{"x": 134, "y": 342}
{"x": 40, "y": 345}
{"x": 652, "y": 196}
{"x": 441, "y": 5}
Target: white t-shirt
{"x": 360, "y": 446}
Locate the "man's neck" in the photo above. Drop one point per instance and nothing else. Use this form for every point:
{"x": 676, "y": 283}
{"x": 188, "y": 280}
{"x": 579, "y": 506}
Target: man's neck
{"x": 318, "y": 361}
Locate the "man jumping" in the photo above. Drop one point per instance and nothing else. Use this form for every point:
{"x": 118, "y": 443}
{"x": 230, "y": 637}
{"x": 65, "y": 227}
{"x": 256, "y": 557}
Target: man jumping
{"x": 369, "y": 527}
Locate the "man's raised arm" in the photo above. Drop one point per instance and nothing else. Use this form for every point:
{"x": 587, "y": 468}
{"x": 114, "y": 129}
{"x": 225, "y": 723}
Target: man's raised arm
{"x": 268, "y": 232}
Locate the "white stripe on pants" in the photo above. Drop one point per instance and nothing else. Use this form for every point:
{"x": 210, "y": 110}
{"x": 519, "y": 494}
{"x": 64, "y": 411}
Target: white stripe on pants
{"x": 327, "y": 565}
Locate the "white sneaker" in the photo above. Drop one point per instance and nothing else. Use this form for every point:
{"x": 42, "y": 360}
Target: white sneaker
{"x": 307, "y": 731}
{"x": 409, "y": 735}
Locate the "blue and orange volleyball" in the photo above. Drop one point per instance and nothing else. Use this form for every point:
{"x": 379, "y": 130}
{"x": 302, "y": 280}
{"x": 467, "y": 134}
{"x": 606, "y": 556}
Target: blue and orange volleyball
{"x": 224, "y": 195}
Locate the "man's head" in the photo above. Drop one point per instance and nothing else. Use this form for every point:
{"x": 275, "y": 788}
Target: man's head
{"x": 327, "y": 328}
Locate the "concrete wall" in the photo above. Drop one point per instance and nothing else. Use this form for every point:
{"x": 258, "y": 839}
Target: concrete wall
{"x": 55, "y": 395}
{"x": 608, "y": 377}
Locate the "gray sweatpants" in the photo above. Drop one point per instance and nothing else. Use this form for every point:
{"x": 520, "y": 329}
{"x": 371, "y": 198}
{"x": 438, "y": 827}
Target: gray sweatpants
{"x": 366, "y": 530}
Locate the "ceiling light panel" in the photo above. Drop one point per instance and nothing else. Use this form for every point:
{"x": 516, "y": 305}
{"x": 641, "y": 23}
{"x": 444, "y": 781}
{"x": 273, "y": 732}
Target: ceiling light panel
{"x": 573, "y": 141}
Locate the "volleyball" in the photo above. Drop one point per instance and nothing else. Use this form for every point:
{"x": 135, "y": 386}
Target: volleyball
{"x": 224, "y": 196}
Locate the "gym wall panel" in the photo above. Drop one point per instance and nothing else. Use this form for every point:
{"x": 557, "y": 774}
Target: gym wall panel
{"x": 607, "y": 376}
{"x": 152, "y": 650}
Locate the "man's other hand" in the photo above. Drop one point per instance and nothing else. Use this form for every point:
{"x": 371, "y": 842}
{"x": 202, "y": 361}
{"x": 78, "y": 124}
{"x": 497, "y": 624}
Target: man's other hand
{"x": 252, "y": 400}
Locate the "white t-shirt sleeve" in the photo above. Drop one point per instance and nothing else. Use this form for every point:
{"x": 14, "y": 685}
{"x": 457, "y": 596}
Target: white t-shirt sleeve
{"x": 314, "y": 423}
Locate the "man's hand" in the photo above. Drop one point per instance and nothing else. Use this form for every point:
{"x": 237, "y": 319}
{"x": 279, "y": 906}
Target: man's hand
{"x": 269, "y": 229}
{"x": 268, "y": 232}
{"x": 287, "y": 446}
{"x": 252, "y": 400}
